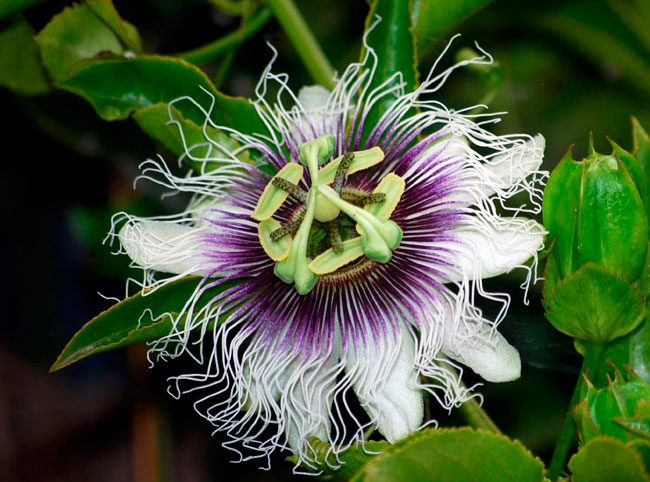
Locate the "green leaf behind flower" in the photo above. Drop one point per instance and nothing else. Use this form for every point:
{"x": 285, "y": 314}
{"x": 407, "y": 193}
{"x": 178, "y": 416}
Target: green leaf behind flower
{"x": 453, "y": 454}
{"x": 345, "y": 465}
{"x": 394, "y": 44}
{"x": 90, "y": 51}
{"x": 607, "y": 459}
{"x": 84, "y": 31}
{"x": 154, "y": 120}
{"x": 118, "y": 87}
{"x": 20, "y": 62}
{"x": 435, "y": 18}
{"x": 132, "y": 320}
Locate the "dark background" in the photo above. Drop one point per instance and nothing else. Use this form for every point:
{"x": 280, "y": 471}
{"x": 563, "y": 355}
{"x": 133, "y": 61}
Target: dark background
{"x": 65, "y": 171}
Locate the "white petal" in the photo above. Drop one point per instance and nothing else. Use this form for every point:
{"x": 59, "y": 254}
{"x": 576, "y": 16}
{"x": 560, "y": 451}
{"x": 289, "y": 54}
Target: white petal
{"x": 450, "y": 147}
{"x": 451, "y": 144}
{"x": 313, "y": 97}
{"x": 385, "y": 382}
{"x": 485, "y": 250}
{"x": 167, "y": 247}
{"x": 208, "y": 209}
{"x": 514, "y": 166}
{"x": 503, "y": 171}
{"x": 479, "y": 346}
{"x": 307, "y": 399}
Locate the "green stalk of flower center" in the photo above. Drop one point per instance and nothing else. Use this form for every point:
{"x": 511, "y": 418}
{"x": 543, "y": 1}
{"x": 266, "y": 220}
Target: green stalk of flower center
{"x": 380, "y": 237}
{"x": 294, "y": 269}
{"x": 316, "y": 152}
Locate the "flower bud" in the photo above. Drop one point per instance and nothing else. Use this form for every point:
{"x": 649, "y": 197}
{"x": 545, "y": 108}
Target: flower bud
{"x": 598, "y": 230}
{"x": 620, "y": 410}
{"x": 594, "y": 211}
{"x": 641, "y": 152}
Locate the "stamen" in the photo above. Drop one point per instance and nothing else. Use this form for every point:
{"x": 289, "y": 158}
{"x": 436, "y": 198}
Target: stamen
{"x": 292, "y": 189}
{"x": 287, "y": 229}
{"x": 294, "y": 268}
{"x": 379, "y": 238}
{"x": 362, "y": 160}
{"x": 364, "y": 199}
{"x": 329, "y": 261}
{"x": 335, "y": 236}
{"x": 273, "y": 197}
{"x": 341, "y": 171}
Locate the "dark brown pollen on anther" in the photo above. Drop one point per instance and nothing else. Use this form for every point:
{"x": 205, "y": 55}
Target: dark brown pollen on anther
{"x": 292, "y": 189}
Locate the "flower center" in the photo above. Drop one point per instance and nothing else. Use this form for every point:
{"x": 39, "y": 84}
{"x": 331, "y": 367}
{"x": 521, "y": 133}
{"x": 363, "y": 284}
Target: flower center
{"x": 335, "y": 226}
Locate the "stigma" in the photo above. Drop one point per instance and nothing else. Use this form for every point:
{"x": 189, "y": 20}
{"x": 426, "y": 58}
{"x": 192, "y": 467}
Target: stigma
{"x": 335, "y": 224}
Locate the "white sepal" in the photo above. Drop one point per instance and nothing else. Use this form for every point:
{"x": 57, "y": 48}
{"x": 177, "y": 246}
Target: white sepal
{"x": 307, "y": 398}
{"x": 479, "y": 346}
{"x": 164, "y": 246}
{"x": 501, "y": 173}
{"x": 384, "y": 378}
{"x": 487, "y": 249}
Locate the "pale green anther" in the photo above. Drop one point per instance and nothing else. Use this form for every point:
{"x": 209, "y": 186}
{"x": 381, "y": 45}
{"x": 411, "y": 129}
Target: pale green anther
{"x": 330, "y": 261}
{"x": 380, "y": 237}
{"x": 295, "y": 269}
{"x": 334, "y": 236}
{"x": 392, "y": 186}
{"x": 273, "y": 197}
{"x": 314, "y": 153}
{"x": 277, "y": 250}
{"x": 362, "y": 160}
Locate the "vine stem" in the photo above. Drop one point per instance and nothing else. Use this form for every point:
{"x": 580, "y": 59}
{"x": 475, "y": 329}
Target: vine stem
{"x": 474, "y": 414}
{"x": 303, "y": 40}
{"x": 478, "y": 418}
{"x": 215, "y": 49}
{"x": 590, "y": 365}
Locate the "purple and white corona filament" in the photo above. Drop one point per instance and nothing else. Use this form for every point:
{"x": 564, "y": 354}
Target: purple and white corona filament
{"x": 349, "y": 263}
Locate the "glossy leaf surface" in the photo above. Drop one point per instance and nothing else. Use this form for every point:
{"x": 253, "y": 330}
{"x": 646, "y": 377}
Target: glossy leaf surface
{"x": 20, "y": 63}
{"x": 85, "y": 31}
{"x": 609, "y": 306}
{"x": 134, "y": 319}
{"x": 453, "y": 454}
{"x": 435, "y": 18}
{"x": 119, "y": 87}
{"x": 605, "y": 459}
{"x": 394, "y": 44}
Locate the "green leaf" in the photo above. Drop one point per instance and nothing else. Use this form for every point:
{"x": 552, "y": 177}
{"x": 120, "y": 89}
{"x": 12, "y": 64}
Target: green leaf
{"x": 155, "y": 121}
{"x": 394, "y": 44}
{"x": 643, "y": 447}
{"x": 608, "y": 460}
{"x": 453, "y": 454}
{"x": 134, "y": 319}
{"x": 84, "y": 31}
{"x": 434, "y": 18}
{"x": 609, "y": 306}
{"x": 342, "y": 466}
{"x": 117, "y": 87}
{"x": 20, "y": 63}
{"x": 9, "y": 7}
